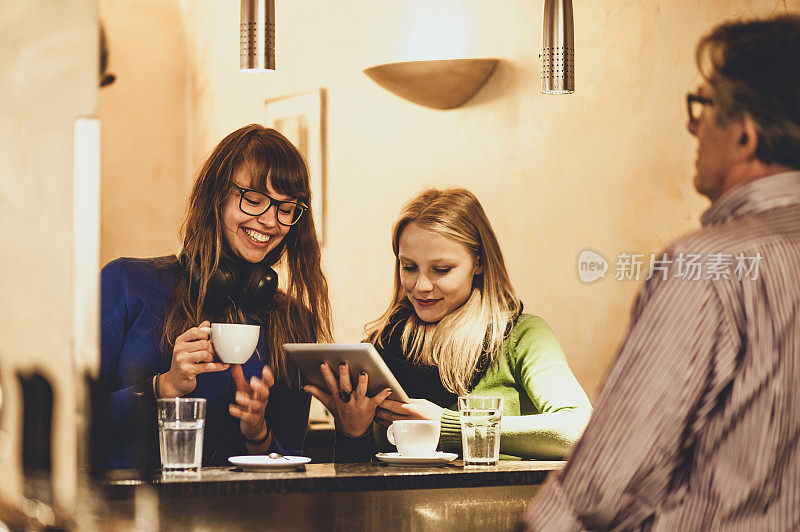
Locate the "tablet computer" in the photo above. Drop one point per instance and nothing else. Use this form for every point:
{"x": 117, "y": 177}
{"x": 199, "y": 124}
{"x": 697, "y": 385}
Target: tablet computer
{"x": 359, "y": 357}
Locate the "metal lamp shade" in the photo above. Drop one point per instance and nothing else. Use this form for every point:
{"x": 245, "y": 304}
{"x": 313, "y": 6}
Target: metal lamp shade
{"x": 558, "y": 48}
{"x": 257, "y": 38}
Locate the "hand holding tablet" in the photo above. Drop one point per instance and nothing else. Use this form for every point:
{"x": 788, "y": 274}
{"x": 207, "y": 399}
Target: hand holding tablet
{"x": 351, "y": 380}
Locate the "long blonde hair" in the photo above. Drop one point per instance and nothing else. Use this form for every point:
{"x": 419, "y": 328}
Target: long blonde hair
{"x": 302, "y": 312}
{"x": 458, "y": 341}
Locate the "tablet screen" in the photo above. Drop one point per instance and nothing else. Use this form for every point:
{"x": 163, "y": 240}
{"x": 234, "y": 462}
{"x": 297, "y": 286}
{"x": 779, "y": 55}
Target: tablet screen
{"x": 359, "y": 357}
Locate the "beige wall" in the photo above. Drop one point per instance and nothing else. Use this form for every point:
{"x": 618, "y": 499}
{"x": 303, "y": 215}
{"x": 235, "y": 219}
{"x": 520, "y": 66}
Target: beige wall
{"x": 608, "y": 168}
{"x": 48, "y": 79}
{"x": 144, "y": 162}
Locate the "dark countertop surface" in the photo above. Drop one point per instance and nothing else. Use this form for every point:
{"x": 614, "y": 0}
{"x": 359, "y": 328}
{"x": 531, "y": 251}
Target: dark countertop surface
{"x": 214, "y": 481}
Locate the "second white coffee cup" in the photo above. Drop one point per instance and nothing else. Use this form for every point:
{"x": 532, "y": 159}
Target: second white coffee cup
{"x": 414, "y": 437}
{"x": 233, "y": 342}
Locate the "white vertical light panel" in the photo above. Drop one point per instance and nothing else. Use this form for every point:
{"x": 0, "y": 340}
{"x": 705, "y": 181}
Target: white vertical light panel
{"x": 86, "y": 245}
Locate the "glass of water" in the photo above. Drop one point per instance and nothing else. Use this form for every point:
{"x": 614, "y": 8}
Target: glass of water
{"x": 180, "y": 434}
{"x": 480, "y": 429}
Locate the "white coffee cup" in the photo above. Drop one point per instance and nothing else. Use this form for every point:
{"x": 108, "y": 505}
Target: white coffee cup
{"x": 414, "y": 437}
{"x": 233, "y": 342}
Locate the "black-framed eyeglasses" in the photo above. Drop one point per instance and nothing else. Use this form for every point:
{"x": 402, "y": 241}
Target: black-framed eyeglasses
{"x": 254, "y": 203}
{"x": 694, "y": 105}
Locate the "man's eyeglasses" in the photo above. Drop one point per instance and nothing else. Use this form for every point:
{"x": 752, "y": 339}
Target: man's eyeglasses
{"x": 255, "y": 203}
{"x": 694, "y": 105}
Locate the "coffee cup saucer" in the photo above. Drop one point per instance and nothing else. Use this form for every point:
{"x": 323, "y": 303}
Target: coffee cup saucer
{"x": 265, "y": 463}
{"x": 438, "y": 458}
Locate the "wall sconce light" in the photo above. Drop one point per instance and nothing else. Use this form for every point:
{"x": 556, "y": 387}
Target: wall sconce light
{"x": 257, "y": 36}
{"x": 558, "y": 48}
{"x": 440, "y": 84}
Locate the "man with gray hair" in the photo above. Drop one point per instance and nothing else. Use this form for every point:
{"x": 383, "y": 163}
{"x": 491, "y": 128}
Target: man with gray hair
{"x": 697, "y": 426}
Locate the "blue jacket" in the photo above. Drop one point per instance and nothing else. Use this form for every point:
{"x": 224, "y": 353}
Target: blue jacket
{"x": 134, "y": 298}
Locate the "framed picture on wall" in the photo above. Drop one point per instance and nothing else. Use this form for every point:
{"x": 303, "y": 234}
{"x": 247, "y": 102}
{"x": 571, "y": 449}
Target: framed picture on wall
{"x": 301, "y": 118}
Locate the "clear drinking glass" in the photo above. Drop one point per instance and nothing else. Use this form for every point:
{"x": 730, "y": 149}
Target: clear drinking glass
{"x": 480, "y": 429}
{"x": 180, "y": 433}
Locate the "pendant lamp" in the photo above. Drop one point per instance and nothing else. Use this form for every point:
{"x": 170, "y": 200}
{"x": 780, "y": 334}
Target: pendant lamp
{"x": 257, "y": 37}
{"x": 558, "y": 48}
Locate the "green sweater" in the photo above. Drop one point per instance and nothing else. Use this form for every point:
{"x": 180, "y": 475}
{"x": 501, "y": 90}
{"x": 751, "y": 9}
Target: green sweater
{"x": 544, "y": 408}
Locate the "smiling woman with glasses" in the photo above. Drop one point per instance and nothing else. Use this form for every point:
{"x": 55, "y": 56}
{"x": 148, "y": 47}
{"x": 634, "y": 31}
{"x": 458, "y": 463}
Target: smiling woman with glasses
{"x": 248, "y": 211}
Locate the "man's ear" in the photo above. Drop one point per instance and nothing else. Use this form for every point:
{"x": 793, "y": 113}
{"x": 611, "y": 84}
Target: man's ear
{"x": 748, "y": 138}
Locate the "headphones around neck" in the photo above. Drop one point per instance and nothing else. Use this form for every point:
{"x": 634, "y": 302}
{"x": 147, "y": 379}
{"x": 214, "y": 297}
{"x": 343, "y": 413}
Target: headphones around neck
{"x": 251, "y": 287}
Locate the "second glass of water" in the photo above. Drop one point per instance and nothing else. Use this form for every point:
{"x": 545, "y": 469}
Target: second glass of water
{"x": 480, "y": 429}
{"x": 180, "y": 434}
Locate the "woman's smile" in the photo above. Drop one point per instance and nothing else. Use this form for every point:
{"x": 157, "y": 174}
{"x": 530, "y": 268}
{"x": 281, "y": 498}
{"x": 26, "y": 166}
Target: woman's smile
{"x": 426, "y": 302}
{"x": 257, "y": 237}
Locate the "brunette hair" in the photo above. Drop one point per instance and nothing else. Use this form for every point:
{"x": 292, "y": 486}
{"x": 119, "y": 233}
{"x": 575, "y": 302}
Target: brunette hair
{"x": 754, "y": 69}
{"x": 302, "y": 312}
{"x": 478, "y": 327}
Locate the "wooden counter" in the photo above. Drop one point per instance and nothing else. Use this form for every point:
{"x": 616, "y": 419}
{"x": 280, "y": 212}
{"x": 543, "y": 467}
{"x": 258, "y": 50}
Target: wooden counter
{"x": 347, "y": 497}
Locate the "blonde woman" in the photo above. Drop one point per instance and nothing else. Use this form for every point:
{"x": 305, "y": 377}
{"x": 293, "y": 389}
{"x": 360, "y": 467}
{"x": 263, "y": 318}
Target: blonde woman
{"x": 455, "y": 327}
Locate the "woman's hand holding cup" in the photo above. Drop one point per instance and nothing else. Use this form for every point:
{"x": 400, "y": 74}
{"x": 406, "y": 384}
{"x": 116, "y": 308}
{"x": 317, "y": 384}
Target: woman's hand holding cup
{"x": 193, "y": 354}
{"x": 352, "y": 409}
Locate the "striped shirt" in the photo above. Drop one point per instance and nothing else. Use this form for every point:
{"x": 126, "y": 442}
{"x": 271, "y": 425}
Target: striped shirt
{"x": 697, "y": 426}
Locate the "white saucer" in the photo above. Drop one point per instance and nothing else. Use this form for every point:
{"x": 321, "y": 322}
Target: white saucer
{"x": 438, "y": 458}
{"x": 265, "y": 463}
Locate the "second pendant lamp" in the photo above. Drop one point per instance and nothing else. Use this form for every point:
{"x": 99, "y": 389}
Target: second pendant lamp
{"x": 558, "y": 48}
